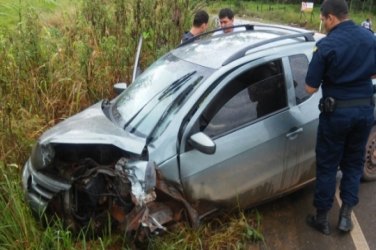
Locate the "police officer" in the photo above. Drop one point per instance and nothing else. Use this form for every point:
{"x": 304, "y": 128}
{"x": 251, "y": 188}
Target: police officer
{"x": 342, "y": 64}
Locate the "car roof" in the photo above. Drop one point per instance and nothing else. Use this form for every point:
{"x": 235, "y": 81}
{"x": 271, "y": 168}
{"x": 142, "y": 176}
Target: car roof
{"x": 218, "y": 50}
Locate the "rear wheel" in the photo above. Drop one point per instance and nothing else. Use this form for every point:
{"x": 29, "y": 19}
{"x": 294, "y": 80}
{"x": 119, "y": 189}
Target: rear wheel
{"x": 369, "y": 172}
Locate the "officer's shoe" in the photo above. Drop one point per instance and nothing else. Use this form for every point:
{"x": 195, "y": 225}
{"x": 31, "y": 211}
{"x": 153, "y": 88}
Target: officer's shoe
{"x": 319, "y": 221}
{"x": 344, "y": 222}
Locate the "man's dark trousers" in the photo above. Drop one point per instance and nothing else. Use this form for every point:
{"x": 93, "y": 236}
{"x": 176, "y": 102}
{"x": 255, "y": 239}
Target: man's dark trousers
{"x": 341, "y": 139}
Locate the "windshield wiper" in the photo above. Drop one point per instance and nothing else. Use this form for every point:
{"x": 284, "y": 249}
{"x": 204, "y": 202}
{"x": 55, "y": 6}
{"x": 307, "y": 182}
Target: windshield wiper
{"x": 175, "y": 86}
{"x": 172, "y": 88}
{"x": 176, "y": 103}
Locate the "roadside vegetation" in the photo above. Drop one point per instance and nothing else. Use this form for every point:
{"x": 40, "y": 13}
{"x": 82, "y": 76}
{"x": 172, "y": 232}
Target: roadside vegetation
{"x": 58, "y": 57}
{"x": 289, "y": 12}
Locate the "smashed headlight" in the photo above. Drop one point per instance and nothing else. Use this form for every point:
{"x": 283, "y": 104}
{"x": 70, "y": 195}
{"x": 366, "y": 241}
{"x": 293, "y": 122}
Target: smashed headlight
{"x": 42, "y": 155}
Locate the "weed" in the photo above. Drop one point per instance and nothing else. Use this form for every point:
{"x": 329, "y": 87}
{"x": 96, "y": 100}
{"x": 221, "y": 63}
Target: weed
{"x": 224, "y": 230}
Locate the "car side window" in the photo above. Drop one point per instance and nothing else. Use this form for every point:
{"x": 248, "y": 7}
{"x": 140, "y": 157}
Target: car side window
{"x": 254, "y": 94}
{"x": 299, "y": 67}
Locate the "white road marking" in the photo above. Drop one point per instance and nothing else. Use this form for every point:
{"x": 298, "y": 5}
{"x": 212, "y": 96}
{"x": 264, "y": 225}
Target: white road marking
{"x": 357, "y": 235}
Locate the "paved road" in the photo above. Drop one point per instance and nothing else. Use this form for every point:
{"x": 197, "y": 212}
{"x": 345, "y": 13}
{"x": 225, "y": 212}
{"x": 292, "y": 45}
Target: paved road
{"x": 284, "y": 224}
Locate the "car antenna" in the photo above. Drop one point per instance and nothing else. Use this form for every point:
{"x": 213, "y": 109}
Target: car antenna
{"x": 136, "y": 66}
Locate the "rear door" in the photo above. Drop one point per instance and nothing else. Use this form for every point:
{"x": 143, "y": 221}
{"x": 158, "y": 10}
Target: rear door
{"x": 300, "y": 161}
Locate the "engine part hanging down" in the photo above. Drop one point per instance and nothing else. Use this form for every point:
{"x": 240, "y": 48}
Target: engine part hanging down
{"x": 133, "y": 198}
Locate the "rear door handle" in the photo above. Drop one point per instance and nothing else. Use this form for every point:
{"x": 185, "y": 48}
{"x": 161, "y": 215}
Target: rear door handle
{"x": 294, "y": 133}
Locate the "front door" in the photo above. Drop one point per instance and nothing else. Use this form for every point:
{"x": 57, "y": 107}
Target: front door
{"x": 248, "y": 118}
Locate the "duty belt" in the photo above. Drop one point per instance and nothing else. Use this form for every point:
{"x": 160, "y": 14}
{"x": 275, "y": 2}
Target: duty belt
{"x": 354, "y": 102}
{"x": 329, "y": 104}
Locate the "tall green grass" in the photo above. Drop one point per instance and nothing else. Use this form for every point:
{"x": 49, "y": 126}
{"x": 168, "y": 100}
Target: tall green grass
{"x": 54, "y": 67}
{"x": 235, "y": 230}
{"x": 283, "y": 12}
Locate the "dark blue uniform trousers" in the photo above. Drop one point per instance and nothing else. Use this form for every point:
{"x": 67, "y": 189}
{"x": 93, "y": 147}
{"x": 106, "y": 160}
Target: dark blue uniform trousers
{"x": 341, "y": 139}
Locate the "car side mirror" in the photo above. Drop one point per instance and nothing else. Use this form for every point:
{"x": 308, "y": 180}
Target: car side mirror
{"x": 202, "y": 143}
{"x": 120, "y": 87}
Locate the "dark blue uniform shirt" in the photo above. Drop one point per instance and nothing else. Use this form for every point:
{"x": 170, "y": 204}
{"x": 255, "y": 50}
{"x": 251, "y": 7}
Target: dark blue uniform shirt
{"x": 343, "y": 62}
{"x": 186, "y": 36}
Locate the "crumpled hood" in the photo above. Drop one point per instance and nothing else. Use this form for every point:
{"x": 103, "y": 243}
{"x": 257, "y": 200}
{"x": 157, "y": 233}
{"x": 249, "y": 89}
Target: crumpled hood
{"x": 91, "y": 126}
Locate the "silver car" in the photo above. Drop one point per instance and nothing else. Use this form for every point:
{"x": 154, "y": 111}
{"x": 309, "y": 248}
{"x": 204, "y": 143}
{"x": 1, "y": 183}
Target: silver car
{"x": 219, "y": 122}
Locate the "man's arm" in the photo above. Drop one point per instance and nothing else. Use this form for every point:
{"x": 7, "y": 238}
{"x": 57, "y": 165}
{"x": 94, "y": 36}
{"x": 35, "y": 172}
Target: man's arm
{"x": 309, "y": 89}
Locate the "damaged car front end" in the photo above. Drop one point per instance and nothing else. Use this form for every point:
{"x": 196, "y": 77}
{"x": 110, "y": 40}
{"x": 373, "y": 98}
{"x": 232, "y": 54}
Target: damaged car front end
{"x": 95, "y": 166}
{"x": 92, "y": 190}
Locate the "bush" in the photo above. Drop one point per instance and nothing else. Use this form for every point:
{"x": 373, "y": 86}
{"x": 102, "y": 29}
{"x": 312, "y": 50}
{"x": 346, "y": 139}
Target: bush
{"x": 52, "y": 68}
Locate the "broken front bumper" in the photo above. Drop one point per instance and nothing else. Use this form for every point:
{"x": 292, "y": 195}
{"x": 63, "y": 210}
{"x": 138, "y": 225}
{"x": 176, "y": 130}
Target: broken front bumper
{"x": 155, "y": 202}
{"x": 39, "y": 188}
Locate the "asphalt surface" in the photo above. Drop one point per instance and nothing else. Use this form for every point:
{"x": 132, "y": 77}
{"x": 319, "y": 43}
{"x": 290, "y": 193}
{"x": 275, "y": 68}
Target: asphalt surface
{"x": 284, "y": 226}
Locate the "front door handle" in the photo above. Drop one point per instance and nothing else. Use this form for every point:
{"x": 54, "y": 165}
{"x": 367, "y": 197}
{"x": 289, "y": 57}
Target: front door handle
{"x": 293, "y": 133}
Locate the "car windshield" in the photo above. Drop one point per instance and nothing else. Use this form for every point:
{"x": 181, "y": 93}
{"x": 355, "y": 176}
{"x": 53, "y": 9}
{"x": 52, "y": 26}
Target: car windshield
{"x": 157, "y": 93}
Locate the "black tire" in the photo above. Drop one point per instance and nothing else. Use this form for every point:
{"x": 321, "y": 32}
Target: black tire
{"x": 369, "y": 172}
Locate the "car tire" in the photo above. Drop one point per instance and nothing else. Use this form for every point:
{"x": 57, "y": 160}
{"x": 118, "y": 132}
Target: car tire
{"x": 369, "y": 172}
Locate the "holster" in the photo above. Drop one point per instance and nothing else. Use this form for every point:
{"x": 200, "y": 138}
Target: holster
{"x": 327, "y": 105}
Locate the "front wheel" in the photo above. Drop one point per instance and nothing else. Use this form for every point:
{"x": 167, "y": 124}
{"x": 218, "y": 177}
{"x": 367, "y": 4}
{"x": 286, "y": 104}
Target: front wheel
{"x": 369, "y": 172}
